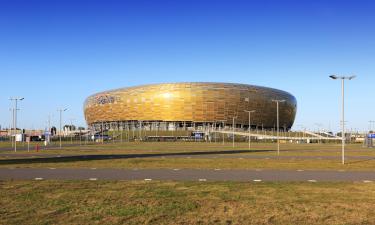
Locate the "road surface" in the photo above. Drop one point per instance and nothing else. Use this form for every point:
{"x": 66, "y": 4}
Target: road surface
{"x": 185, "y": 175}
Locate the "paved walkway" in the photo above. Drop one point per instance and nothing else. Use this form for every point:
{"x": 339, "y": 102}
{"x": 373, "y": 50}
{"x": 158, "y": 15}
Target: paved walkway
{"x": 184, "y": 175}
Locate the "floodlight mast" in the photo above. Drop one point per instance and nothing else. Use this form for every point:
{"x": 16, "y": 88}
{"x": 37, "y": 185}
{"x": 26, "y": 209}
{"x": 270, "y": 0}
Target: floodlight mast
{"x": 278, "y": 101}
{"x": 342, "y": 78}
{"x": 15, "y": 99}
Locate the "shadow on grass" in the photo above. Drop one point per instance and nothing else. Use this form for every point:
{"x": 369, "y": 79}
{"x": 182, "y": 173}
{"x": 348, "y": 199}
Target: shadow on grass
{"x": 76, "y": 158}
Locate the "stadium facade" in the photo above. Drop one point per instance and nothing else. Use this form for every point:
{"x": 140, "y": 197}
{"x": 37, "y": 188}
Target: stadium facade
{"x": 189, "y": 106}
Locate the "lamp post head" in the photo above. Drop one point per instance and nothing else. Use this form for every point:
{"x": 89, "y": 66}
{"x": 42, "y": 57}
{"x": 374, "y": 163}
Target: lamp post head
{"x": 276, "y": 100}
{"x": 333, "y": 77}
{"x": 248, "y": 111}
{"x": 342, "y": 77}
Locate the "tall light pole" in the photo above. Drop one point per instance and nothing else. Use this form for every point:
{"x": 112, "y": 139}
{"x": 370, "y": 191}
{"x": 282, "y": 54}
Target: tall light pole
{"x": 251, "y": 111}
{"x": 15, "y": 99}
{"x": 342, "y": 78}
{"x": 61, "y": 110}
{"x": 278, "y": 101}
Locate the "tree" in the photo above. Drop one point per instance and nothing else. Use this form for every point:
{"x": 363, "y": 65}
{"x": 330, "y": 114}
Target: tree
{"x": 69, "y": 127}
{"x": 53, "y": 131}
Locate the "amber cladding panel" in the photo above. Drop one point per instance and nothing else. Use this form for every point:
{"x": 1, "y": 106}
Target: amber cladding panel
{"x": 194, "y": 102}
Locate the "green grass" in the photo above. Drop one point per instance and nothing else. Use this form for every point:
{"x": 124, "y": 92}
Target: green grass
{"x": 84, "y": 202}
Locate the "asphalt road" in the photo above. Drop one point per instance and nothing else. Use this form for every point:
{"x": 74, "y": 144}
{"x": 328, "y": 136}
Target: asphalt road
{"x": 185, "y": 175}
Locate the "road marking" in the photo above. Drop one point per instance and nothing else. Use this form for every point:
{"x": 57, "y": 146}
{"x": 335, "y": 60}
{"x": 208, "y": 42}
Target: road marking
{"x": 202, "y": 180}
{"x": 148, "y": 179}
{"x": 367, "y": 181}
{"x": 93, "y": 179}
{"x": 38, "y": 178}
{"x": 257, "y": 180}
{"x": 312, "y": 181}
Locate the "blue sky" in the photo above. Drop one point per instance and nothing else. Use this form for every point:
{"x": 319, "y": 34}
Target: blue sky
{"x": 56, "y": 53}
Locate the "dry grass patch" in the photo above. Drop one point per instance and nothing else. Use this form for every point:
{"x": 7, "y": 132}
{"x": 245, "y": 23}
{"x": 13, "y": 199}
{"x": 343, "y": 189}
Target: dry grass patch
{"x": 75, "y": 202}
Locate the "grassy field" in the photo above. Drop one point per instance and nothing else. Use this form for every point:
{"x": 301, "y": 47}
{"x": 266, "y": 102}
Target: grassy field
{"x": 201, "y": 161}
{"x": 168, "y": 202}
{"x": 168, "y": 147}
{"x": 84, "y": 202}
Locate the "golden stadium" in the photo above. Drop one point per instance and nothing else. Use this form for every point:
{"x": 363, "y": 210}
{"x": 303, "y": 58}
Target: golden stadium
{"x": 190, "y": 106}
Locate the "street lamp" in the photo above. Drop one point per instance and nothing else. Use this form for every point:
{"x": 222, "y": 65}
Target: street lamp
{"x": 342, "y": 78}
{"x": 252, "y": 111}
{"x": 61, "y": 110}
{"x": 15, "y": 99}
{"x": 277, "y": 109}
